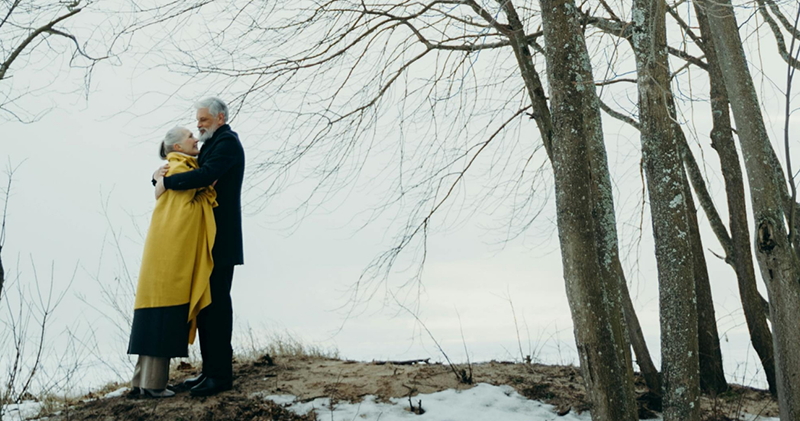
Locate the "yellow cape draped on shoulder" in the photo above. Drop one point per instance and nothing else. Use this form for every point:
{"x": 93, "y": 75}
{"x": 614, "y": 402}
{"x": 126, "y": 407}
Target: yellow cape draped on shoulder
{"x": 177, "y": 262}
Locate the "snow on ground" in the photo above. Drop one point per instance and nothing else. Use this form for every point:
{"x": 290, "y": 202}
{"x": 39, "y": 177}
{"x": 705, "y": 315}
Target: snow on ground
{"x": 483, "y": 402}
{"x": 20, "y": 411}
{"x": 117, "y": 393}
{"x": 26, "y": 410}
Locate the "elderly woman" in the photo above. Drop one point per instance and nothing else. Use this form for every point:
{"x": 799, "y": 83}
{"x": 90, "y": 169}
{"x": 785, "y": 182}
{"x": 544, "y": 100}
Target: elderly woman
{"x": 176, "y": 265}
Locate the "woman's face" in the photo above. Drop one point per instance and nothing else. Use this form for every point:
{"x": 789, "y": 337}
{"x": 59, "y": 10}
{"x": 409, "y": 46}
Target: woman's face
{"x": 188, "y": 145}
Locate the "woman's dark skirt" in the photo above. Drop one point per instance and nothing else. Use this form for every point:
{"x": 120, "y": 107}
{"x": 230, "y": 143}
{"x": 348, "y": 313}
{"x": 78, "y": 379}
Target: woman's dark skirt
{"x": 160, "y": 332}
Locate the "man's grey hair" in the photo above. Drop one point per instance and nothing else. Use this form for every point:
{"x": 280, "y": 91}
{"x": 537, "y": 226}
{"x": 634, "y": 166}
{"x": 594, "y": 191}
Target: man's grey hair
{"x": 174, "y": 135}
{"x": 215, "y": 106}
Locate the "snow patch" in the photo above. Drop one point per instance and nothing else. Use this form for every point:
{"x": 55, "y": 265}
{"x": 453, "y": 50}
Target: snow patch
{"x": 21, "y": 411}
{"x": 117, "y": 393}
{"x": 483, "y": 402}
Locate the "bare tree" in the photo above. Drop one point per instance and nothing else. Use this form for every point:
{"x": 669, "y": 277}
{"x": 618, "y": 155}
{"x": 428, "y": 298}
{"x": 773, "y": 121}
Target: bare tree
{"x": 737, "y": 253}
{"x": 772, "y": 205}
{"x": 737, "y": 245}
{"x": 586, "y": 216}
{"x": 638, "y": 34}
{"x": 27, "y": 316}
{"x": 666, "y": 187}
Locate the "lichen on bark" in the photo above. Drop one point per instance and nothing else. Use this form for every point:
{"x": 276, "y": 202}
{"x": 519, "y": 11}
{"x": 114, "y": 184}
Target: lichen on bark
{"x": 586, "y": 223}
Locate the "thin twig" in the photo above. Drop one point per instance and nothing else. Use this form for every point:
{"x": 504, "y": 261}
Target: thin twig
{"x": 435, "y": 342}
{"x": 7, "y": 193}
{"x": 466, "y": 352}
{"x": 789, "y": 77}
{"x": 516, "y": 328}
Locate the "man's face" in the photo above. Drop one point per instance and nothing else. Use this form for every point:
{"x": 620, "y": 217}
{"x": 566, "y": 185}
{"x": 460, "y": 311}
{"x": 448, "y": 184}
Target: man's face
{"x": 207, "y": 123}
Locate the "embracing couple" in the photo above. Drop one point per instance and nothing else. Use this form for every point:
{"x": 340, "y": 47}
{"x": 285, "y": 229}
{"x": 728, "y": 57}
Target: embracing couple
{"x": 193, "y": 243}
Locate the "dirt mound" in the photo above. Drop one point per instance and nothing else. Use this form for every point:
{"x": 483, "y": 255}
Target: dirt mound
{"x": 311, "y": 378}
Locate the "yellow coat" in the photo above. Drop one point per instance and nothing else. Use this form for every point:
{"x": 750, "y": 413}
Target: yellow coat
{"x": 177, "y": 261}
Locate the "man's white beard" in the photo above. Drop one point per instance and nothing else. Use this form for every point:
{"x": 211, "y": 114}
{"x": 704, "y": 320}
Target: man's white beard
{"x": 207, "y": 134}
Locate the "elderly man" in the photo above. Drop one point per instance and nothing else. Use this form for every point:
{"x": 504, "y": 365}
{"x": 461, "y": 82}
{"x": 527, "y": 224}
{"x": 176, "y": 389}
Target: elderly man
{"x": 221, "y": 163}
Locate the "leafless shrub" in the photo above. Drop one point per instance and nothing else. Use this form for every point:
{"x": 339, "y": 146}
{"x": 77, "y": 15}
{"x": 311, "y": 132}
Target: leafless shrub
{"x": 34, "y": 363}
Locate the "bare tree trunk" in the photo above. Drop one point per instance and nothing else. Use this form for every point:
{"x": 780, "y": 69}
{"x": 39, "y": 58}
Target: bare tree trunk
{"x": 712, "y": 375}
{"x": 643, "y": 359}
{"x": 607, "y": 234}
{"x": 740, "y": 256}
{"x": 667, "y": 189}
{"x": 776, "y": 257}
{"x": 583, "y": 213}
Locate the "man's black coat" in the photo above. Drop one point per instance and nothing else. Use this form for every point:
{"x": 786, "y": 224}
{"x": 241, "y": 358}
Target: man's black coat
{"x": 222, "y": 160}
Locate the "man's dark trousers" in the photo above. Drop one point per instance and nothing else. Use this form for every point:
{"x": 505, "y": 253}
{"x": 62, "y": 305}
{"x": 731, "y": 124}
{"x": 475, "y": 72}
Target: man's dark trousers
{"x": 215, "y": 324}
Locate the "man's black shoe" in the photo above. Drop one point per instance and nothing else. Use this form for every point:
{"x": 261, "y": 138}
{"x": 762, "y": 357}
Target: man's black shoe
{"x": 210, "y": 386}
{"x": 193, "y": 381}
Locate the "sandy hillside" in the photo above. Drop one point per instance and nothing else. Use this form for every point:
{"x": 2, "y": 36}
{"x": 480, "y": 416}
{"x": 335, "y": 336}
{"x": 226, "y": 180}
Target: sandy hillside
{"x": 349, "y": 381}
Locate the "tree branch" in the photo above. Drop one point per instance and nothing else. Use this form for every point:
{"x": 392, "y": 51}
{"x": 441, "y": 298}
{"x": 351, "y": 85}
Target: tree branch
{"x": 783, "y": 19}
{"x": 618, "y": 115}
{"x": 20, "y": 48}
{"x": 613, "y": 81}
{"x": 687, "y": 29}
{"x": 502, "y": 28}
{"x": 77, "y": 45}
{"x": 688, "y": 57}
{"x": 788, "y": 113}
{"x": 779, "y": 39}
{"x": 704, "y": 197}
{"x": 10, "y": 11}
{"x": 618, "y": 28}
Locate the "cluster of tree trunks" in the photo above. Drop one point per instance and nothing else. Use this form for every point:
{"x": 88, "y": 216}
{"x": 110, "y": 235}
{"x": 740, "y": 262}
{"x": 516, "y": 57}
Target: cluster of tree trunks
{"x": 691, "y": 356}
{"x": 776, "y": 255}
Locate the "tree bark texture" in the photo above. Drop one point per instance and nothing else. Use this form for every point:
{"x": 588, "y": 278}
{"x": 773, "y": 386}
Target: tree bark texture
{"x": 776, "y": 258}
{"x": 739, "y": 257}
{"x": 648, "y": 370}
{"x": 667, "y": 190}
{"x": 583, "y": 214}
{"x": 712, "y": 375}
{"x": 607, "y": 234}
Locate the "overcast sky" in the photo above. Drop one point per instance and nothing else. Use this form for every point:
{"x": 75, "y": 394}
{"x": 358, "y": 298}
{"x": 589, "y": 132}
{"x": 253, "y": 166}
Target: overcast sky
{"x": 83, "y": 178}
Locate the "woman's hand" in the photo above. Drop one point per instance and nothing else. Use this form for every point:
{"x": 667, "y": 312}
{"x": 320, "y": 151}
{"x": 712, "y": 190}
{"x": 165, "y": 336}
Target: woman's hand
{"x": 161, "y": 172}
{"x": 160, "y": 189}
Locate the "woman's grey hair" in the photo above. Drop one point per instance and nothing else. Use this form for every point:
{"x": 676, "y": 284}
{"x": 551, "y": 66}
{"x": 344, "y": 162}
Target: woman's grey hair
{"x": 174, "y": 135}
{"x": 215, "y": 106}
